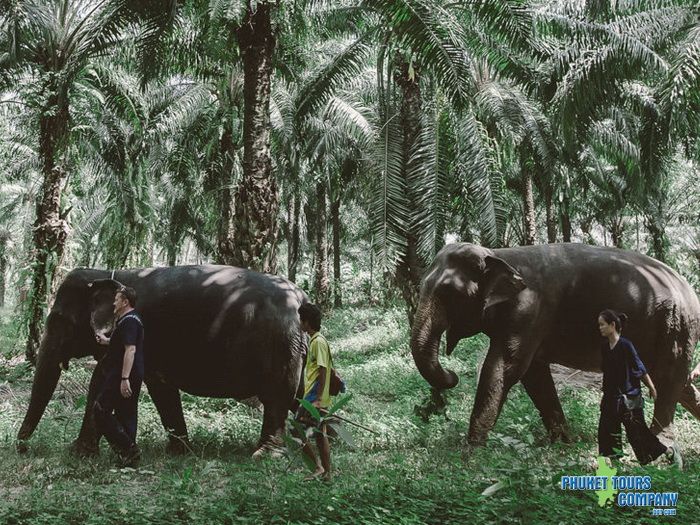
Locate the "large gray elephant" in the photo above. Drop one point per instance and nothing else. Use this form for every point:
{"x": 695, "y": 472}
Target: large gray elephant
{"x": 214, "y": 331}
{"x": 539, "y": 305}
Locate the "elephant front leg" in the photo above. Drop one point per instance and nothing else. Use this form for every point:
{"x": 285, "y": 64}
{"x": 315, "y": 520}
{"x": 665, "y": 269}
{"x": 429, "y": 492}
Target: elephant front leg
{"x": 88, "y": 440}
{"x": 539, "y": 385}
{"x": 274, "y": 418}
{"x": 496, "y": 379}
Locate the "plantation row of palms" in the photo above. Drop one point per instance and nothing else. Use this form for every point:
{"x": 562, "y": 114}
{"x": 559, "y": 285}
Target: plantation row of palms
{"x": 139, "y": 132}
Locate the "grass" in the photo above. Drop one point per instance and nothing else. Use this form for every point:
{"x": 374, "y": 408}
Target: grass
{"x": 413, "y": 472}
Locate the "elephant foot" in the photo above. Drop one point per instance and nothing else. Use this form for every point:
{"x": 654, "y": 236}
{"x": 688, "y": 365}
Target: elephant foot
{"x": 272, "y": 448}
{"x": 84, "y": 449}
{"x": 22, "y": 447}
{"x": 476, "y": 440}
{"x": 178, "y": 446}
{"x": 560, "y": 434}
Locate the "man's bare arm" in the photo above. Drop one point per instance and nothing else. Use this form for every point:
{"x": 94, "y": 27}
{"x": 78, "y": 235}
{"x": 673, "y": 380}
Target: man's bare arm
{"x": 128, "y": 363}
{"x": 129, "y": 353}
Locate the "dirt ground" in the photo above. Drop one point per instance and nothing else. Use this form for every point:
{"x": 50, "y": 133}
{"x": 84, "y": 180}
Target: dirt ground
{"x": 577, "y": 378}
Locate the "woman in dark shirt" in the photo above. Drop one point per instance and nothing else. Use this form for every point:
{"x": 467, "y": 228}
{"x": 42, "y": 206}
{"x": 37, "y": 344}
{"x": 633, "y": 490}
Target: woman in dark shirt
{"x": 622, "y": 402}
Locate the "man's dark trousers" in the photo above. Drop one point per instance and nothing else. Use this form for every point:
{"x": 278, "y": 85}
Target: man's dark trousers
{"x": 116, "y": 416}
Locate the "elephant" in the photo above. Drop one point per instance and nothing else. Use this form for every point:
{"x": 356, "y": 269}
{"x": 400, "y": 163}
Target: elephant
{"x": 539, "y": 305}
{"x": 215, "y": 331}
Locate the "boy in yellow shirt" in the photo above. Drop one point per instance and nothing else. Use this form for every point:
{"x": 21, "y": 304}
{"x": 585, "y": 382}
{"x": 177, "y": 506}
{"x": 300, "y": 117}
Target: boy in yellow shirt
{"x": 317, "y": 378}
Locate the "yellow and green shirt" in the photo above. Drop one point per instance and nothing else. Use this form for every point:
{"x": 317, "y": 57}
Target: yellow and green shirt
{"x": 319, "y": 355}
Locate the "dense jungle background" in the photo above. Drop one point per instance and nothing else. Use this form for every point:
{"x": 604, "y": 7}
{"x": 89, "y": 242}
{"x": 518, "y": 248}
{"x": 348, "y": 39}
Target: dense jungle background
{"x": 341, "y": 144}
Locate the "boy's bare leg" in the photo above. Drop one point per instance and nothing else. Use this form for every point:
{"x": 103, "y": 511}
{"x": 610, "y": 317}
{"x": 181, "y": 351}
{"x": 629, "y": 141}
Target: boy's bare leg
{"x": 309, "y": 452}
{"x": 324, "y": 450}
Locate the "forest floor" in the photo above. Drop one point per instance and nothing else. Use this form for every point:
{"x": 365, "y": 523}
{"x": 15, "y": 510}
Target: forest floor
{"x": 411, "y": 472}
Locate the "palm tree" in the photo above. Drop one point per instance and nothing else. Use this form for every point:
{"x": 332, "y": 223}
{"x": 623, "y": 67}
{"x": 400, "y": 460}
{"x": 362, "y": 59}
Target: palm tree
{"x": 248, "y": 230}
{"x": 336, "y": 137}
{"x": 414, "y": 27}
{"x": 605, "y": 55}
{"x": 54, "y": 42}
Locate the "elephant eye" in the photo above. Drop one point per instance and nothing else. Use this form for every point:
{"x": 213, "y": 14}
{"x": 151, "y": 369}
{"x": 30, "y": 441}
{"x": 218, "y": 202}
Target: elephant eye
{"x": 457, "y": 286}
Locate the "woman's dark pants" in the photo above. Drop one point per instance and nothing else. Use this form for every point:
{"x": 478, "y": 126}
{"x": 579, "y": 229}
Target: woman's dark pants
{"x": 116, "y": 416}
{"x": 613, "y": 414}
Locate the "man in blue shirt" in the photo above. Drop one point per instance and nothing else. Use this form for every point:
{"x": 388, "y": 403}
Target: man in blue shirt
{"x": 116, "y": 407}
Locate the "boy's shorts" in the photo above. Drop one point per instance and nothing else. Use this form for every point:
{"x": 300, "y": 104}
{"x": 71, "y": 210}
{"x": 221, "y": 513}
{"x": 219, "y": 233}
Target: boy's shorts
{"x": 305, "y": 418}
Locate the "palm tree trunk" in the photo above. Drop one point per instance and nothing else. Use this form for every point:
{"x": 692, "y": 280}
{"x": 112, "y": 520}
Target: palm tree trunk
{"x": 257, "y": 200}
{"x": 528, "y": 198}
{"x": 50, "y": 227}
{"x": 659, "y": 240}
{"x": 565, "y": 220}
{"x": 335, "y": 220}
{"x": 410, "y": 268}
{"x": 293, "y": 238}
{"x": 371, "y": 269}
{"x": 4, "y": 238}
{"x": 551, "y": 215}
{"x": 617, "y": 229}
{"x": 172, "y": 256}
{"x": 225, "y": 227}
{"x": 321, "y": 280}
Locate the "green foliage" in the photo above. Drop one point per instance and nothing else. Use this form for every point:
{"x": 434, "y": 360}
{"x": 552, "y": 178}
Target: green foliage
{"x": 412, "y": 472}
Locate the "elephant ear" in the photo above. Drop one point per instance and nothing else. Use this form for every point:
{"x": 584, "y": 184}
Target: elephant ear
{"x": 101, "y": 304}
{"x": 500, "y": 283}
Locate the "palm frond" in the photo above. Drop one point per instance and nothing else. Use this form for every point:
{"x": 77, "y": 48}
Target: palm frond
{"x": 679, "y": 92}
{"x": 477, "y": 167}
{"x": 435, "y": 37}
{"x": 351, "y": 120}
{"x": 344, "y": 66}
{"x": 428, "y": 180}
{"x": 508, "y": 21}
{"x": 157, "y": 18}
{"x": 390, "y": 215}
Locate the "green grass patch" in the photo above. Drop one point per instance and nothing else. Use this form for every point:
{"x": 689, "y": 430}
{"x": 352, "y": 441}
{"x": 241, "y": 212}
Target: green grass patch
{"x": 413, "y": 472}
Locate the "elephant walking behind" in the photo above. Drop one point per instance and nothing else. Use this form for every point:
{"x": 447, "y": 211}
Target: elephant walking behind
{"x": 539, "y": 305}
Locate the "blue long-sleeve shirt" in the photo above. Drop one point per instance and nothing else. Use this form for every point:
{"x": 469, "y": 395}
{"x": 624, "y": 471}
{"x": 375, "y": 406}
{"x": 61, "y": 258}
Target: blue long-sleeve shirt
{"x": 622, "y": 368}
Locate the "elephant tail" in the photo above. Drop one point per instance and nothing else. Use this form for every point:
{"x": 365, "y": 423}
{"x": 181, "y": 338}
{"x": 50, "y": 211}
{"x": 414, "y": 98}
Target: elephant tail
{"x": 690, "y": 399}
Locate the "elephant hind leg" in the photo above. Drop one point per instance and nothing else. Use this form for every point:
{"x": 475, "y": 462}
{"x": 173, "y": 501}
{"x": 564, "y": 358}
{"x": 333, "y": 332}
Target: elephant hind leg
{"x": 167, "y": 400}
{"x": 539, "y": 385}
{"x": 690, "y": 399}
{"x": 670, "y": 378}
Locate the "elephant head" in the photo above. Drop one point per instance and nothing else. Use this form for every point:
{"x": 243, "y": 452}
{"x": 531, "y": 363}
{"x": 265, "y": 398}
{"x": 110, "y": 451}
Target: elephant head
{"x": 81, "y": 309}
{"x": 460, "y": 294}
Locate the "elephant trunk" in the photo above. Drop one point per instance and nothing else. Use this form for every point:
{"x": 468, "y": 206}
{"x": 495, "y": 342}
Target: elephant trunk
{"x": 45, "y": 380}
{"x": 429, "y": 324}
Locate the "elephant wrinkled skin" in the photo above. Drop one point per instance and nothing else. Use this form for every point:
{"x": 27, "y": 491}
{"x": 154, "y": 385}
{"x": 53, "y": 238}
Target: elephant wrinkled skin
{"x": 214, "y": 331}
{"x": 539, "y": 305}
